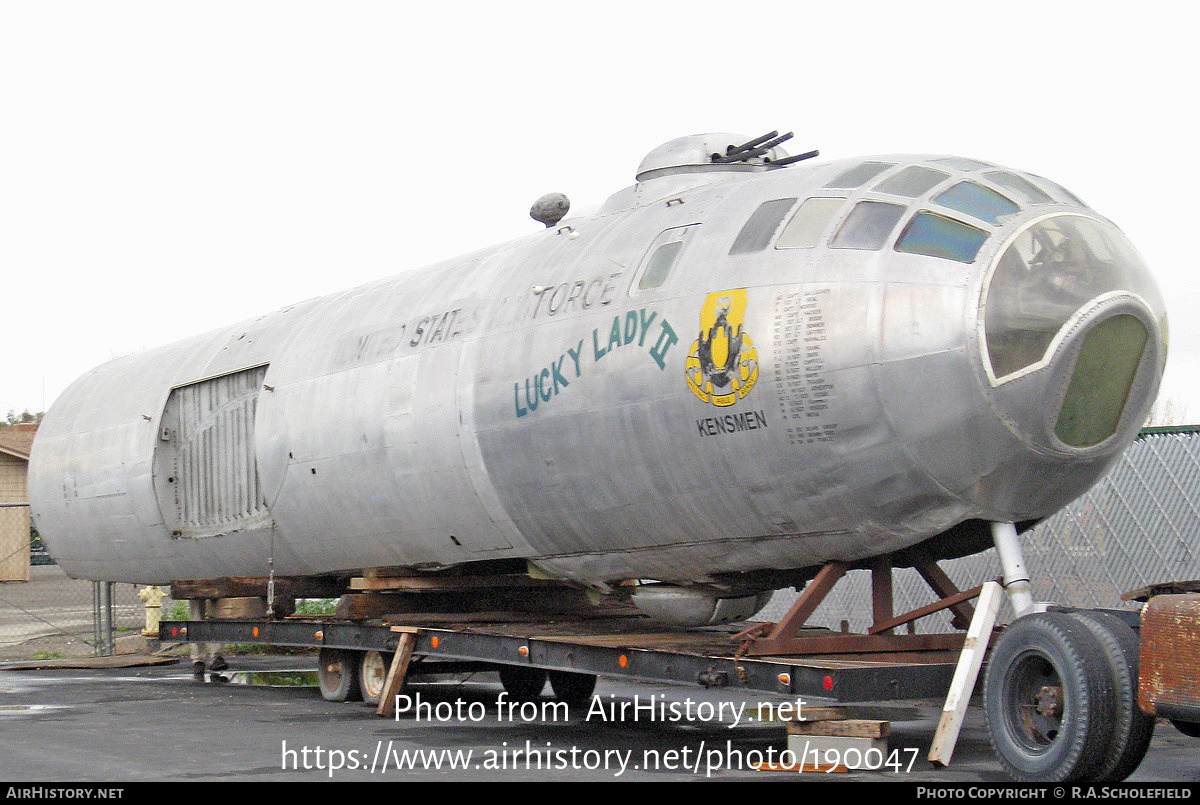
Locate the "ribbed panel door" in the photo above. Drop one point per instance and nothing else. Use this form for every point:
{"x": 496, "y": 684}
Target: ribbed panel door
{"x": 208, "y": 429}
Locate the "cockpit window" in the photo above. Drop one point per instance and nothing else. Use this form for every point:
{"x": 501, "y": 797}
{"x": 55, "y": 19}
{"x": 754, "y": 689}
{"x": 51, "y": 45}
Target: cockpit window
{"x": 1054, "y": 187}
{"x": 975, "y": 199}
{"x": 868, "y": 226}
{"x": 757, "y": 232}
{"x": 1049, "y": 271}
{"x": 662, "y": 256}
{"x": 808, "y": 223}
{"x": 1021, "y": 188}
{"x": 962, "y": 163}
{"x": 938, "y": 236}
{"x": 859, "y": 174}
{"x": 913, "y": 181}
{"x": 660, "y": 264}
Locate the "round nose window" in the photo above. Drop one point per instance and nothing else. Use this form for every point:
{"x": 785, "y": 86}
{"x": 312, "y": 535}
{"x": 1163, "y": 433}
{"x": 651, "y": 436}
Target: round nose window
{"x": 1049, "y": 271}
{"x": 1100, "y": 384}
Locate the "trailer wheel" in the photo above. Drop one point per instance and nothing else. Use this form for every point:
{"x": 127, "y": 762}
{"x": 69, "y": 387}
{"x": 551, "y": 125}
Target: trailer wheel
{"x": 1048, "y": 699}
{"x": 1131, "y": 728}
{"x": 573, "y": 688}
{"x": 1188, "y": 728}
{"x": 337, "y": 675}
{"x": 372, "y": 675}
{"x": 521, "y": 682}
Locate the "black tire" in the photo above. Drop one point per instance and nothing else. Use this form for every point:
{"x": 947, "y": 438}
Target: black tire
{"x": 1188, "y": 728}
{"x": 372, "y": 675}
{"x": 1132, "y": 729}
{"x": 1048, "y": 699}
{"x": 573, "y": 688}
{"x": 522, "y": 683}
{"x": 337, "y": 675}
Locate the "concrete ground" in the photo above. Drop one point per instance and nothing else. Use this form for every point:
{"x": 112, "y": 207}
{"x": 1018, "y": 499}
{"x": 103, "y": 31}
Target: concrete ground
{"x": 158, "y": 723}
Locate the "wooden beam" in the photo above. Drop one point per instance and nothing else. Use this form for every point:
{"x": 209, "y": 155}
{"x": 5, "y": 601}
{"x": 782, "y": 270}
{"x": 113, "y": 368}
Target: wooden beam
{"x": 419, "y": 584}
{"x": 397, "y": 672}
{"x": 256, "y": 587}
{"x": 965, "y": 674}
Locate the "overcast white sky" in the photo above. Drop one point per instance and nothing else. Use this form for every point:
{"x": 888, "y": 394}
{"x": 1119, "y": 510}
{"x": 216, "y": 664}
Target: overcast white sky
{"x": 167, "y": 168}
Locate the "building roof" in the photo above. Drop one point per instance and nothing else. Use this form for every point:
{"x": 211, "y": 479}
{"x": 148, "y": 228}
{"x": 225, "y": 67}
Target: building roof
{"x": 17, "y": 440}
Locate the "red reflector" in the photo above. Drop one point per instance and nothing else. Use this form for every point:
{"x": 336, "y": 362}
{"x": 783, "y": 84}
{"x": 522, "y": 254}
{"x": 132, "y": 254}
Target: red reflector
{"x": 174, "y": 631}
{"x": 828, "y": 683}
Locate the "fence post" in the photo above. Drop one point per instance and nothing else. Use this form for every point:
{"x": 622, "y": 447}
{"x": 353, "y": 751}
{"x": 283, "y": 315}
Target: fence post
{"x": 102, "y": 618}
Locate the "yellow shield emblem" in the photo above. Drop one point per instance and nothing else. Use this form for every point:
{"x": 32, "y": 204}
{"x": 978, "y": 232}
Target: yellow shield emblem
{"x": 722, "y": 366}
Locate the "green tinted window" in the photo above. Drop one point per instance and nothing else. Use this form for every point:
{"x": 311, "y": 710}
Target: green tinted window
{"x": 939, "y": 236}
{"x": 660, "y": 265}
{"x": 975, "y": 199}
{"x": 1104, "y": 373}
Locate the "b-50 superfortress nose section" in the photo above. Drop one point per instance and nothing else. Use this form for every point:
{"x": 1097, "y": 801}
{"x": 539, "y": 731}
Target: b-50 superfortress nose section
{"x": 746, "y": 364}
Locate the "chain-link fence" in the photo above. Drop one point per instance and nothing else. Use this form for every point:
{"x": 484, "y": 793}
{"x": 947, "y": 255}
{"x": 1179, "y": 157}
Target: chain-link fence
{"x": 52, "y": 616}
{"x": 1139, "y": 525}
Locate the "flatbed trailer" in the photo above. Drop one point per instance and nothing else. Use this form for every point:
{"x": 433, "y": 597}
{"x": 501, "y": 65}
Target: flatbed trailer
{"x": 634, "y": 649}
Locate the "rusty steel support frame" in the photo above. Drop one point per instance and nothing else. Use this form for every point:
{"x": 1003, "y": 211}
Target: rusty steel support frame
{"x": 787, "y": 637}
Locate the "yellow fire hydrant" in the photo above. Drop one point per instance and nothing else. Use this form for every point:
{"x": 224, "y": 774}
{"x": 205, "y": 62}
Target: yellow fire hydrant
{"x": 151, "y": 598}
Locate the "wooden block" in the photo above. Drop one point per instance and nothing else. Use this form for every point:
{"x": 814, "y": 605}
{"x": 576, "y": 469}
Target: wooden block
{"x": 238, "y": 608}
{"x": 241, "y": 586}
{"x": 848, "y": 728}
{"x": 357, "y": 606}
{"x": 853, "y": 753}
{"x": 822, "y": 713}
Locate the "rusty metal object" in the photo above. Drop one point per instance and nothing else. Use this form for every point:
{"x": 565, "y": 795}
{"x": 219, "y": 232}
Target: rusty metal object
{"x": 1169, "y": 667}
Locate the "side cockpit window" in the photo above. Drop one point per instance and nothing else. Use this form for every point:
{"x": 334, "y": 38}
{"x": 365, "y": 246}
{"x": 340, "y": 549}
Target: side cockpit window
{"x": 662, "y": 256}
{"x": 935, "y": 235}
{"x": 760, "y": 228}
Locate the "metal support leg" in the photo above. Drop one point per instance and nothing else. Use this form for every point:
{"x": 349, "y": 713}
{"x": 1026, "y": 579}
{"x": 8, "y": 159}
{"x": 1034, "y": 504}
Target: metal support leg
{"x": 1016, "y": 577}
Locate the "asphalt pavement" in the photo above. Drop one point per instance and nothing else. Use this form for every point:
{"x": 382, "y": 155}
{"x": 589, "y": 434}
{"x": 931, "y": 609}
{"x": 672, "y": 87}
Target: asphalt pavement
{"x": 160, "y": 724}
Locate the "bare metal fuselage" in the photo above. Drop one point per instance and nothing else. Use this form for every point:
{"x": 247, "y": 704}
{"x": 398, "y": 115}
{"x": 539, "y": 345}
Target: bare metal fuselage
{"x": 820, "y": 389}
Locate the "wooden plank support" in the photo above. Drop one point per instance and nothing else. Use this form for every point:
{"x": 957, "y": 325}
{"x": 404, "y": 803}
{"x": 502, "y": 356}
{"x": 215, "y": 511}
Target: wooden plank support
{"x": 256, "y": 587}
{"x": 965, "y": 674}
{"x": 397, "y": 672}
{"x": 418, "y": 584}
{"x": 845, "y": 728}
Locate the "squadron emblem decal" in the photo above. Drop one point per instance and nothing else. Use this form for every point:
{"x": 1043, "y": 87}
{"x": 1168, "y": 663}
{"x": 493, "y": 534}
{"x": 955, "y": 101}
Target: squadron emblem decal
{"x": 722, "y": 366}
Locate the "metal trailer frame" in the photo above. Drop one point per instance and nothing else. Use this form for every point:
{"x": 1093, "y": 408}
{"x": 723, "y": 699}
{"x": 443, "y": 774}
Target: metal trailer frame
{"x": 708, "y": 659}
